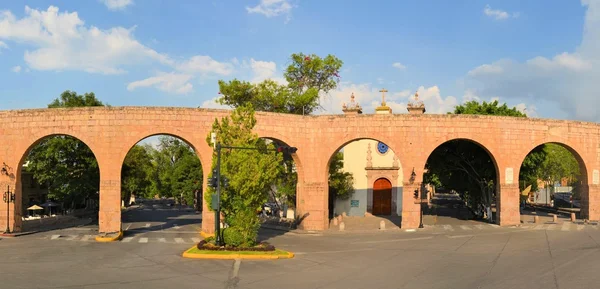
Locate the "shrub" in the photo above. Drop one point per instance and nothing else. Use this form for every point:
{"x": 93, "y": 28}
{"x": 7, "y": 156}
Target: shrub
{"x": 233, "y": 237}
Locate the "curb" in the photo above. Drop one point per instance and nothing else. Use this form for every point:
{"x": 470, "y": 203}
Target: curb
{"x": 235, "y": 256}
{"x": 206, "y": 235}
{"x": 104, "y": 239}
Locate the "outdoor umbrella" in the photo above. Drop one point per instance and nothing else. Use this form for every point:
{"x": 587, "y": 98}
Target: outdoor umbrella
{"x": 35, "y": 208}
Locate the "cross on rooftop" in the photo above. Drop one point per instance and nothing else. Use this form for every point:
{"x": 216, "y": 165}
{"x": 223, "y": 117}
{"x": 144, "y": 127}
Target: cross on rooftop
{"x": 383, "y": 91}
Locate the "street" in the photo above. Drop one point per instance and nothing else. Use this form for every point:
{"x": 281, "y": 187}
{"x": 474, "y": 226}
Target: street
{"x": 463, "y": 256}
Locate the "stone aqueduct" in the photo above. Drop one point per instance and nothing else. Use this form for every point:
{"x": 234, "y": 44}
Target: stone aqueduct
{"x": 111, "y": 132}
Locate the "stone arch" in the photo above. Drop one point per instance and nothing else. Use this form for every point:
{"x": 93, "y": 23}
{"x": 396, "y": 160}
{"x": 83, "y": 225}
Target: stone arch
{"x": 573, "y": 149}
{"x": 485, "y": 148}
{"x": 583, "y": 169}
{"x": 17, "y": 175}
{"x": 361, "y": 202}
{"x": 129, "y": 145}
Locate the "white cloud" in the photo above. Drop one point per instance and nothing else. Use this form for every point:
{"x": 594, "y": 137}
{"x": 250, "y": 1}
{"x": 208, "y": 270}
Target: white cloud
{"x": 117, "y": 4}
{"x": 272, "y": 8}
{"x": 569, "y": 79}
{"x": 167, "y": 82}
{"x": 262, "y": 70}
{"x": 16, "y": 69}
{"x": 205, "y": 65}
{"x": 399, "y": 65}
{"x": 62, "y": 42}
{"x": 212, "y": 103}
{"x": 3, "y": 45}
{"x": 498, "y": 14}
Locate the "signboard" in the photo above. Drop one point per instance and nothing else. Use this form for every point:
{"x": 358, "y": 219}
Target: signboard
{"x": 354, "y": 203}
{"x": 508, "y": 176}
{"x": 214, "y": 202}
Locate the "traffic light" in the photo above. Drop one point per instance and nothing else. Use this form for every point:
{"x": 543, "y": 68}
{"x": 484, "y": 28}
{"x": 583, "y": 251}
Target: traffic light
{"x": 416, "y": 195}
{"x": 286, "y": 149}
{"x": 225, "y": 182}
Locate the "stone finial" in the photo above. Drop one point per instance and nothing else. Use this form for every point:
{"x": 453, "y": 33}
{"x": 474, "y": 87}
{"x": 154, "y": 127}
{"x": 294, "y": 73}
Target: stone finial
{"x": 351, "y": 108}
{"x": 416, "y": 106}
{"x": 383, "y": 109}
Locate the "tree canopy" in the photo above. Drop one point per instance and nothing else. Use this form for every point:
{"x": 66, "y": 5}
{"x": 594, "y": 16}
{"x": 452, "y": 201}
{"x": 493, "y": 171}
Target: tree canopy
{"x": 307, "y": 77}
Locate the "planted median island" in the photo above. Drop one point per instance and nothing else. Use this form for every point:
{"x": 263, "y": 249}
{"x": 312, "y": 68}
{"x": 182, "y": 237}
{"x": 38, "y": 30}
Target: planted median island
{"x": 239, "y": 186}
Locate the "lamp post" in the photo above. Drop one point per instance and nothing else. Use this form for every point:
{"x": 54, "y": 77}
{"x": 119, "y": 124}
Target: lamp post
{"x": 215, "y": 182}
{"x": 8, "y": 198}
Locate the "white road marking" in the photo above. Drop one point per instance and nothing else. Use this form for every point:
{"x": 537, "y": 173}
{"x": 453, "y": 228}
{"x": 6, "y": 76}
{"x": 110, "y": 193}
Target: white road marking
{"x": 551, "y": 227}
{"x": 393, "y": 240}
{"x": 86, "y": 237}
{"x": 143, "y": 240}
{"x": 448, "y": 228}
{"x": 480, "y": 227}
{"x": 539, "y": 227}
{"x": 147, "y": 225}
{"x": 127, "y": 239}
{"x": 162, "y": 240}
{"x": 179, "y": 240}
{"x": 595, "y": 227}
{"x": 565, "y": 227}
{"x": 54, "y": 237}
{"x": 580, "y": 227}
{"x": 176, "y": 227}
{"x": 72, "y": 237}
{"x": 465, "y": 227}
{"x": 127, "y": 227}
{"x": 196, "y": 240}
{"x": 459, "y": 236}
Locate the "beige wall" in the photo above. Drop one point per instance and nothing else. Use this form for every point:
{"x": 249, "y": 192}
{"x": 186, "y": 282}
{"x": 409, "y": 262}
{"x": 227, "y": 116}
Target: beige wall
{"x": 355, "y": 162}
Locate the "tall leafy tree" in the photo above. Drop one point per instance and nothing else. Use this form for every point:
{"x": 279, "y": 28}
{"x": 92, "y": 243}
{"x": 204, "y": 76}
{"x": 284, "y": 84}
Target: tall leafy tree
{"x": 135, "y": 178}
{"x": 558, "y": 164}
{"x": 308, "y": 77}
{"x": 251, "y": 174}
{"x": 64, "y": 163}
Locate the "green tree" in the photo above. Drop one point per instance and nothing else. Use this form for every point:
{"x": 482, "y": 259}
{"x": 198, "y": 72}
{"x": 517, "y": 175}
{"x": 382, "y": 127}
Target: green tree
{"x": 487, "y": 108}
{"x": 64, "y": 163}
{"x": 186, "y": 178}
{"x": 308, "y": 77}
{"x": 341, "y": 184}
{"x": 558, "y": 164}
{"x": 135, "y": 178}
{"x": 251, "y": 173}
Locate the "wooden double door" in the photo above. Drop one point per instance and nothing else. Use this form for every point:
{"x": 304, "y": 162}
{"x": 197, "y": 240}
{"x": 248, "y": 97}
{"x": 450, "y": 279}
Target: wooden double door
{"x": 382, "y": 197}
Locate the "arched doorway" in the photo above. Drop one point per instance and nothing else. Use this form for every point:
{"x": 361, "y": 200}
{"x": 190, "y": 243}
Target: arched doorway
{"x": 382, "y": 197}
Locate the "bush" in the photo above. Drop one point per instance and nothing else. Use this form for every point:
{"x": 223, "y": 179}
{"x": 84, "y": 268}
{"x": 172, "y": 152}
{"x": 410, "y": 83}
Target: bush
{"x": 233, "y": 237}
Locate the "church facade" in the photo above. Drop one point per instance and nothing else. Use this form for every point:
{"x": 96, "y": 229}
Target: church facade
{"x": 376, "y": 170}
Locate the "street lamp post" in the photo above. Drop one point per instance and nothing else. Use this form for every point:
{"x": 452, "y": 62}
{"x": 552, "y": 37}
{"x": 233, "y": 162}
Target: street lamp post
{"x": 8, "y": 198}
{"x": 215, "y": 182}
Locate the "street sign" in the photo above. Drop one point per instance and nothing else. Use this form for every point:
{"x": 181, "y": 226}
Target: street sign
{"x": 214, "y": 204}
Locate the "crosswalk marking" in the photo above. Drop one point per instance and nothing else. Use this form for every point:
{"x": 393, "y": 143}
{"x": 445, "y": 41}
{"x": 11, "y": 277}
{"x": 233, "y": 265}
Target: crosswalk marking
{"x": 54, "y": 237}
{"x": 448, "y": 228}
{"x": 127, "y": 239}
{"x": 565, "y": 227}
{"x": 162, "y": 240}
{"x": 196, "y": 240}
{"x": 580, "y": 227}
{"x": 480, "y": 227}
{"x": 147, "y": 225}
{"x": 72, "y": 237}
{"x": 551, "y": 227}
{"x": 86, "y": 237}
{"x": 143, "y": 240}
{"x": 539, "y": 227}
{"x": 465, "y": 228}
{"x": 179, "y": 240}
{"x": 595, "y": 227}
{"x": 176, "y": 227}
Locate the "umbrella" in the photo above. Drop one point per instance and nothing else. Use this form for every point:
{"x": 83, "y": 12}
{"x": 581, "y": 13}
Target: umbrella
{"x": 35, "y": 207}
{"x": 49, "y": 204}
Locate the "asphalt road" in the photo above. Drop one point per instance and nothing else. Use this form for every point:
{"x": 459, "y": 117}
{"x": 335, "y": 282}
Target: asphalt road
{"x": 531, "y": 256}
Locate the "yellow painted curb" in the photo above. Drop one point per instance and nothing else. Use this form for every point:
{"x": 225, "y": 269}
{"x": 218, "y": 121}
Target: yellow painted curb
{"x": 206, "y": 235}
{"x": 235, "y": 256}
{"x": 110, "y": 239}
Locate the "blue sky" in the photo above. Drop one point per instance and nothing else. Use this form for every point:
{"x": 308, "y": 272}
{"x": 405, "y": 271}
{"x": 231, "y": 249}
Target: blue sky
{"x": 531, "y": 54}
